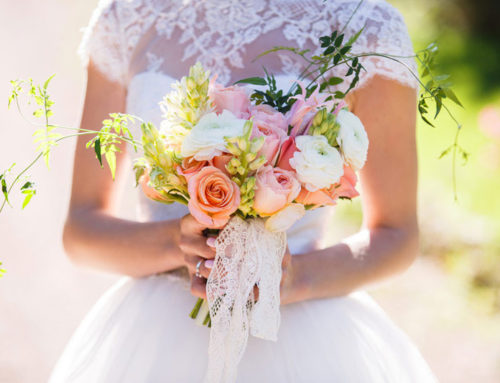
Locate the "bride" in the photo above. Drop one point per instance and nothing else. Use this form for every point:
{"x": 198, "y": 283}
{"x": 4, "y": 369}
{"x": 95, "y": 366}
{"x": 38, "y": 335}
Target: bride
{"x": 331, "y": 331}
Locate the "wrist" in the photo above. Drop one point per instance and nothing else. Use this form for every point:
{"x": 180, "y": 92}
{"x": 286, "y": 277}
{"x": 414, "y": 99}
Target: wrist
{"x": 296, "y": 285}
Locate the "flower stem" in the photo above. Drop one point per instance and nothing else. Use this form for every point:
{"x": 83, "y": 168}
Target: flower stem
{"x": 196, "y": 309}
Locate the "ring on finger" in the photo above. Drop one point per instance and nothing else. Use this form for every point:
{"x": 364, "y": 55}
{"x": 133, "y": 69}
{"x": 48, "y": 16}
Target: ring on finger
{"x": 198, "y": 265}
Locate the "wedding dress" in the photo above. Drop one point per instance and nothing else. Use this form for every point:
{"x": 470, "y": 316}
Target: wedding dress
{"x": 139, "y": 331}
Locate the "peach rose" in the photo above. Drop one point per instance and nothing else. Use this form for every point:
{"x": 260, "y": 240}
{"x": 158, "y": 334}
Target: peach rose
{"x": 221, "y": 161}
{"x": 272, "y": 126}
{"x": 275, "y": 188}
{"x": 148, "y": 190}
{"x": 213, "y": 197}
{"x": 288, "y": 149}
{"x": 233, "y": 98}
{"x": 346, "y": 187}
{"x": 190, "y": 167}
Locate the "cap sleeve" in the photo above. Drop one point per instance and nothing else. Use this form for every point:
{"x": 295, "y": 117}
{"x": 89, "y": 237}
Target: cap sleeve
{"x": 385, "y": 32}
{"x": 102, "y": 42}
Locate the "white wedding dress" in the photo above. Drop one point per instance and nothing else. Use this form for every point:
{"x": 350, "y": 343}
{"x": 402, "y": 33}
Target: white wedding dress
{"x": 139, "y": 331}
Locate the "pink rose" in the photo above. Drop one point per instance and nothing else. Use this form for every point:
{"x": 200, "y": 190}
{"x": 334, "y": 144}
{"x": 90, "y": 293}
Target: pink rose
{"x": 272, "y": 125}
{"x": 190, "y": 167}
{"x": 265, "y": 116}
{"x": 346, "y": 187}
{"x": 213, "y": 197}
{"x": 233, "y": 98}
{"x": 304, "y": 109}
{"x": 275, "y": 188}
{"x": 288, "y": 149}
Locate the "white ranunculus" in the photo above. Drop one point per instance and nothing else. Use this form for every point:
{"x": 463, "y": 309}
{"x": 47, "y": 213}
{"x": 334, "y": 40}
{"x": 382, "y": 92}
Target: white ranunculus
{"x": 352, "y": 139}
{"x": 206, "y": 139}
{"x": 285, "y": 218}
{"x": 318, "y": 165}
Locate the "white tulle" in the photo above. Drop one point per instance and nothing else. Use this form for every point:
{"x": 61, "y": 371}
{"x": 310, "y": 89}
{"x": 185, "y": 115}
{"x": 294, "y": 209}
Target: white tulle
{"x": 247, "y": 255}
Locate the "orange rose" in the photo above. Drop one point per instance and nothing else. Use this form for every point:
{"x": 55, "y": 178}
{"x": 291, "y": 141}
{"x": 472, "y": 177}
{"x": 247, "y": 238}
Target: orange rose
{"x": 346, "y": 187}
{"x": 190, "y": 167}
{"x": 213, "y": 197}
{"x": 148, "y": 190}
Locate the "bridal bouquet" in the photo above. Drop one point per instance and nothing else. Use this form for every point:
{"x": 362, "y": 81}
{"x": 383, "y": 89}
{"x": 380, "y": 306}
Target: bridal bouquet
{"x": 252, "y": 170}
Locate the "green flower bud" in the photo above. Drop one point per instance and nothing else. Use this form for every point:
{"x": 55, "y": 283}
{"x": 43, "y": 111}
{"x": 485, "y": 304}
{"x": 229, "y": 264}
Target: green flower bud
{"x": 242, "y": 143}
{"x": 249, "y": 157}
{"x": 233, "y": 149}
{"x": 234, "y": 162}
{"x": 254, "y": 165}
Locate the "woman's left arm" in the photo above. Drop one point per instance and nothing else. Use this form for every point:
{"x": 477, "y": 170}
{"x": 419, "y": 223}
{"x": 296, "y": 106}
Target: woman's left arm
{"x": 388, "y": 240}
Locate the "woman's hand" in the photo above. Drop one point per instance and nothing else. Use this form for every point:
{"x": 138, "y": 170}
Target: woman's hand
{"x": 196, "y": 248}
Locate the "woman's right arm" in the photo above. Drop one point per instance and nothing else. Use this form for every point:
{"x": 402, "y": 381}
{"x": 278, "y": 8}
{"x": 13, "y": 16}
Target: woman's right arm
{"x": 93, "y": 236}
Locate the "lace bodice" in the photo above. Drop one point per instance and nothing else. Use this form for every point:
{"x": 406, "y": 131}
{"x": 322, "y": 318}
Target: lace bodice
{"x": 144, "y": 45}
{"x": 127, "y": 37}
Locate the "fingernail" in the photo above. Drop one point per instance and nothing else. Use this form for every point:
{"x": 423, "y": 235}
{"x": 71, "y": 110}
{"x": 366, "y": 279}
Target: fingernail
{"x": 209, "y": 263}
{"x": 211, "y": 241}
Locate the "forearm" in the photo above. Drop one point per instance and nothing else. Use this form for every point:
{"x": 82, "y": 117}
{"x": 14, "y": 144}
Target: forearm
{"x": 98, "y": 240}
{"x": 364, "y": 258}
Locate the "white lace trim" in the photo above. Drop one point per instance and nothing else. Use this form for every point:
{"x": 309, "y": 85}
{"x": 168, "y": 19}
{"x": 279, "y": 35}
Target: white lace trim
{"x": 247, "y": 254}
{"x": 218, "y": 32}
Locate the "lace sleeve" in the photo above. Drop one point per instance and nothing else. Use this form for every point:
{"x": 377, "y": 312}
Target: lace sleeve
{"x": 103, "y": 42}
{"x": 385, "y": 32}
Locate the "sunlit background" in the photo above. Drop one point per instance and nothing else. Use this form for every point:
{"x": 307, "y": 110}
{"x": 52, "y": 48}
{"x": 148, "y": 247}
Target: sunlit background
{"x": 448, "y": 302}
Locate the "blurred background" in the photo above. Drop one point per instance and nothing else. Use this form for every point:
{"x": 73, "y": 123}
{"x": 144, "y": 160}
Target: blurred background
{"x": 448, "y": 302}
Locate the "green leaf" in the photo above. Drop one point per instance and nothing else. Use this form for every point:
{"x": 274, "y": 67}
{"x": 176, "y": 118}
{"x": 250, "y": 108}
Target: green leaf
{"x": 46, "y": 83}
{"x": 354, "y": 38}
{"x": 29, "y": 194}
{"x": 335, "y": 81}
{"x": 5, "y": 190}
{"x": 442, "y": 77}
{"x": 338, "y": 40}
{"x": 445, "y": 152}
{"x": 345, "y": 49}
{"x": 339, "y": 94}
{"x": 38, "y": 113}
{"x": 252, "y": 80}
{"x": 27, "y": 185}
{"x": 452, "y": 96}
{"x": 97, "y": 149}
{"x": 329, "y": 50}
{"x": 111, "y": 159}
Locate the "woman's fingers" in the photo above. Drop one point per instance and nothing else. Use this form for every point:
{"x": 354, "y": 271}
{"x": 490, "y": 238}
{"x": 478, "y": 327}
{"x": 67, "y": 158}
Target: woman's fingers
{"x": 204, "y": 268}
{"x": 199, "y": 287}
{"x": 195, "y": 245}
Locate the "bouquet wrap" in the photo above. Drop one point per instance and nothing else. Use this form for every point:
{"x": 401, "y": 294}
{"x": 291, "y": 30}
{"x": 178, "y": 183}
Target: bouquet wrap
{"x": 247, "y": 254}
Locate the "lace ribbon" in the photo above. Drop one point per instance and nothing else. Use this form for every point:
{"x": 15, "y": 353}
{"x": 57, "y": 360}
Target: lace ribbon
{"x": 247, "y": 254}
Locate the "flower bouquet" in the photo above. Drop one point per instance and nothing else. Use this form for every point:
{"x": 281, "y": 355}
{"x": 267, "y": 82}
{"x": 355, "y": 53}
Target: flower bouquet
{"x": 252, "y": 170}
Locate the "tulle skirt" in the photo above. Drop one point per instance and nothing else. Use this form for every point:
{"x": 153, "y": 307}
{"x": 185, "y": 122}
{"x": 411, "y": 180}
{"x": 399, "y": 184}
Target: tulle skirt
{"x": 139, "y": 331}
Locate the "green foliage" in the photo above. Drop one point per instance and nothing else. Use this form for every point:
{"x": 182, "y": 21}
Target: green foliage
{"x": 114, "y": 131}
{"x": 2, "y": 271}
{"x": 109, "y": 138}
